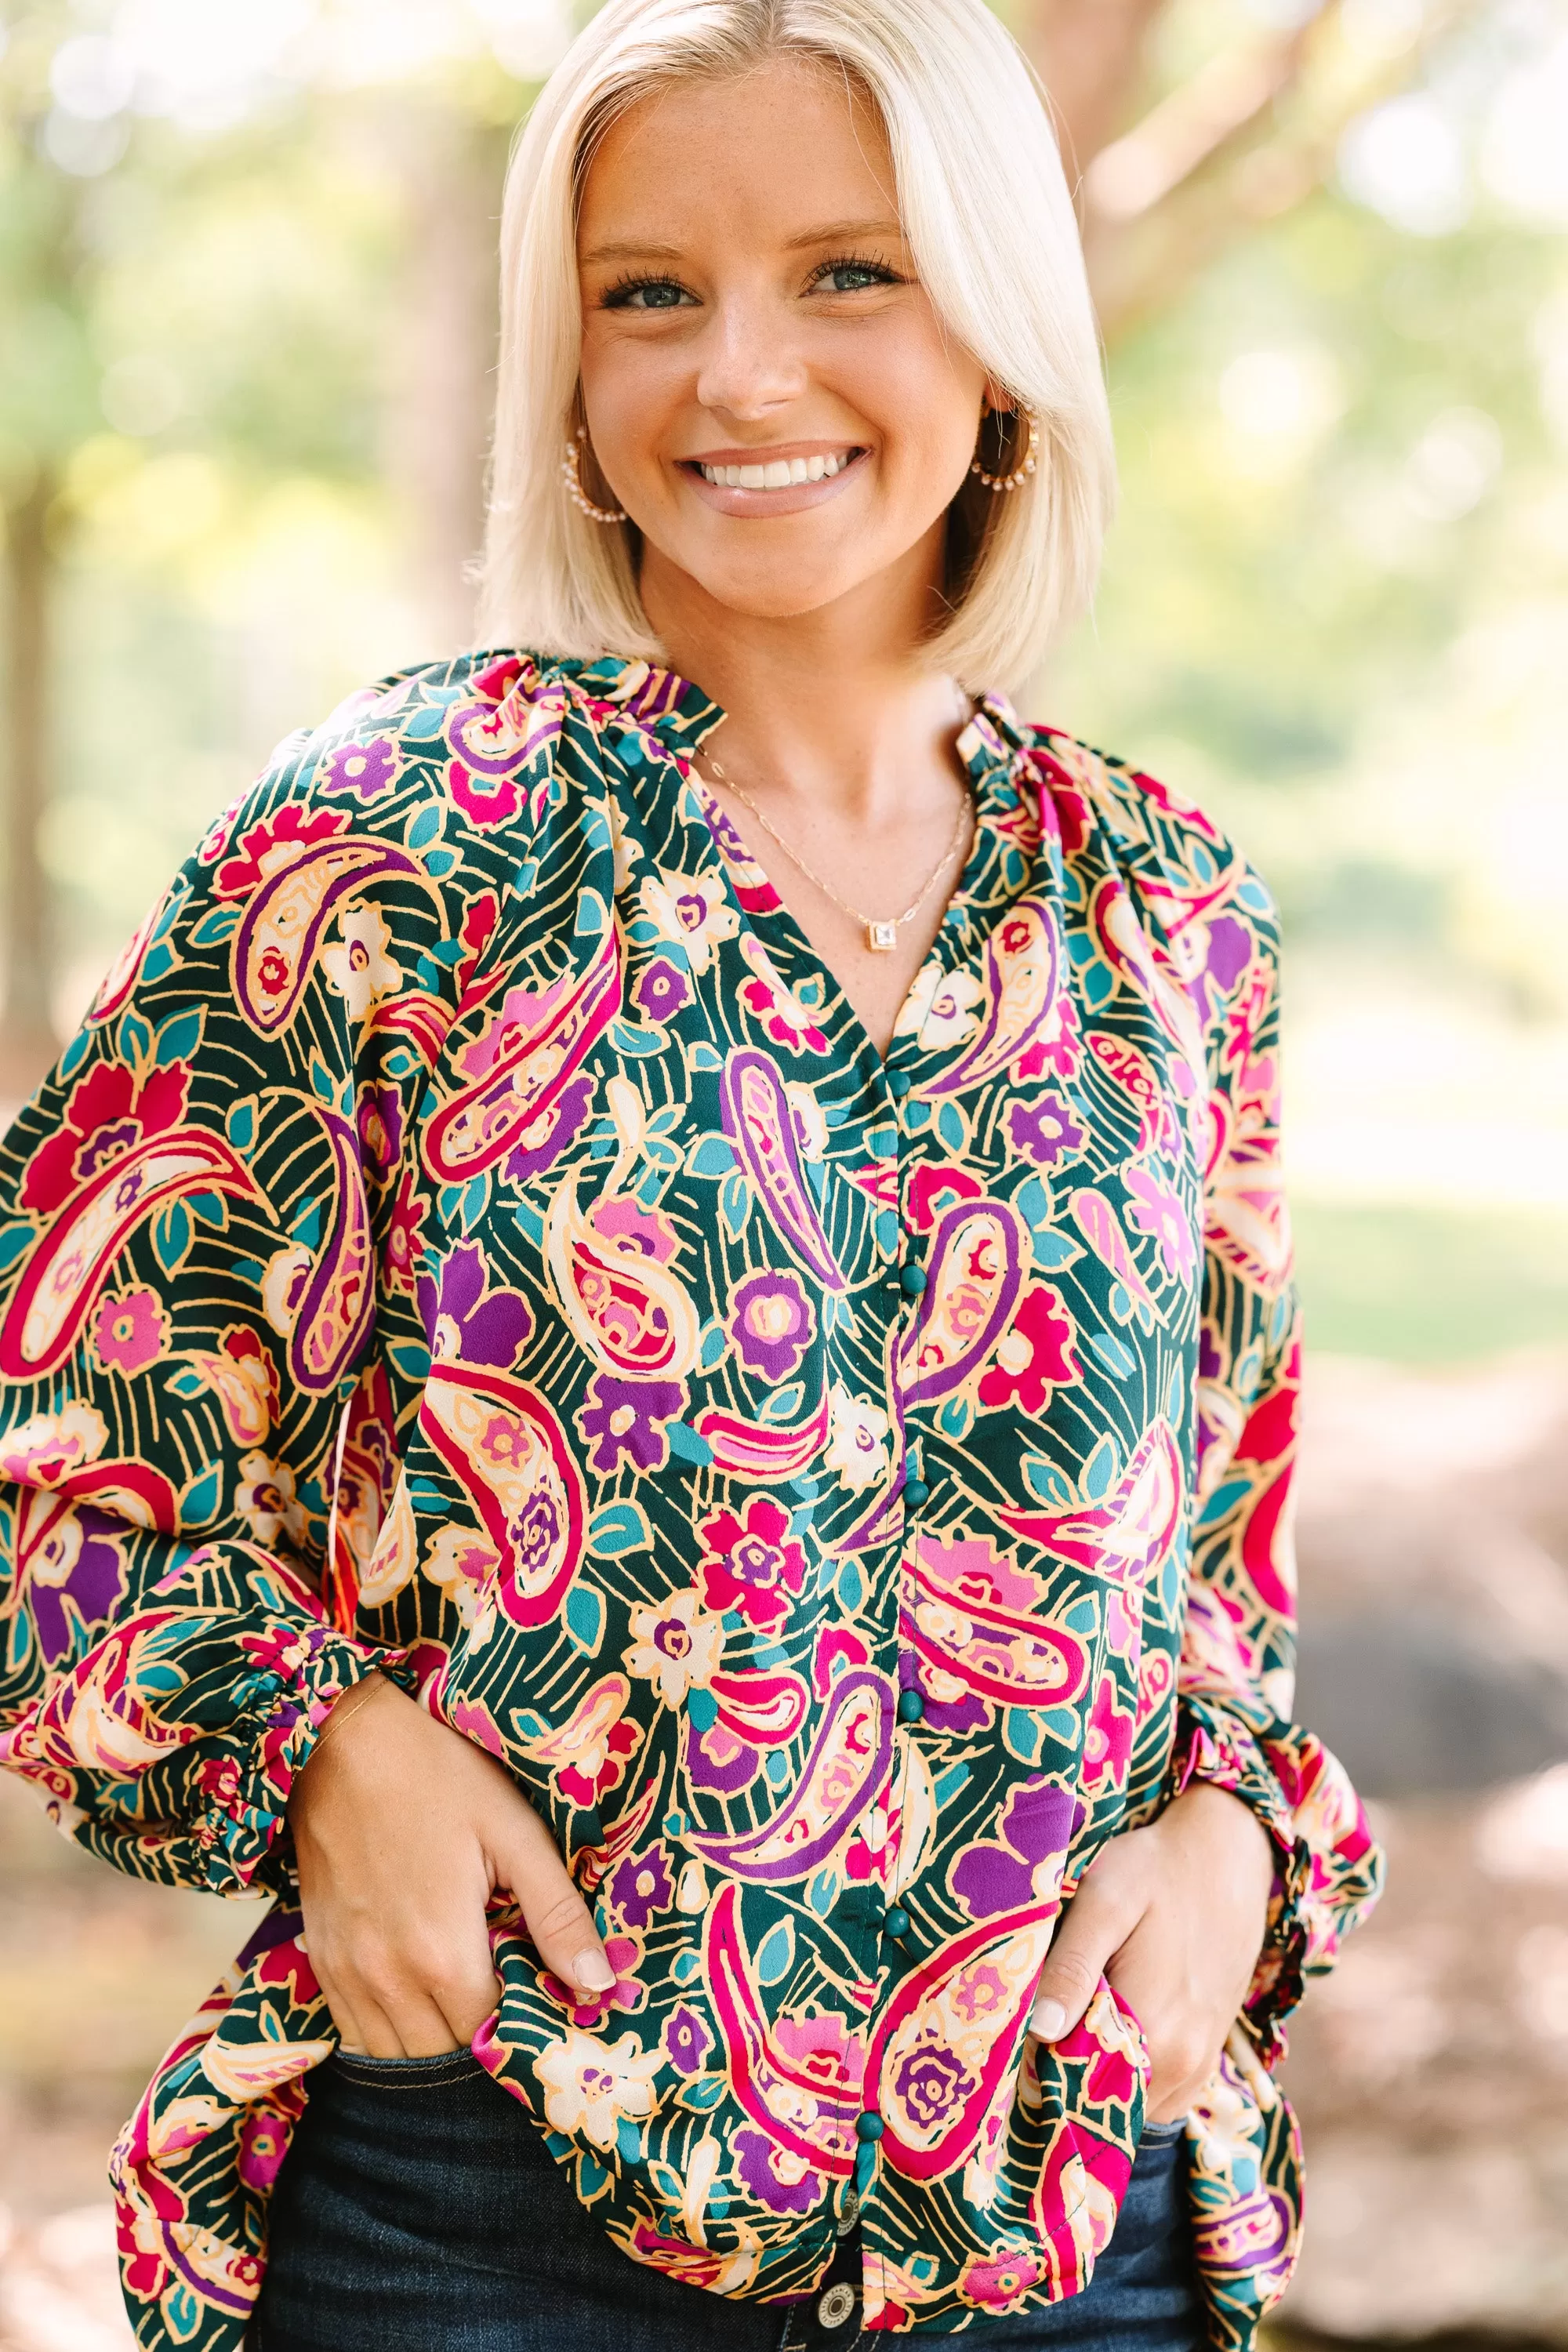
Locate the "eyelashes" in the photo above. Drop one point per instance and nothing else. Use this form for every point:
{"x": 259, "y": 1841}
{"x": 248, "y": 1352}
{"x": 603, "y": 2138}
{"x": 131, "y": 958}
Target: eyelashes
{"x": 623, "y": 294}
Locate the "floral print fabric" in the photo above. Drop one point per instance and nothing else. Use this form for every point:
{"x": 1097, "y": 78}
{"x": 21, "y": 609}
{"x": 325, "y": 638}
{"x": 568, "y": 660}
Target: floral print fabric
{"x": 472, "y": 1233}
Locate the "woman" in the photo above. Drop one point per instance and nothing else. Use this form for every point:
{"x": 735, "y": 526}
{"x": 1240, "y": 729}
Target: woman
{"x": 648, "y": 1344}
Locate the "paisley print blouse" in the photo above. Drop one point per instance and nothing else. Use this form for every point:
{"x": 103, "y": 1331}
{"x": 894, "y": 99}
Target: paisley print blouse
{"x": 472, "y": 1234}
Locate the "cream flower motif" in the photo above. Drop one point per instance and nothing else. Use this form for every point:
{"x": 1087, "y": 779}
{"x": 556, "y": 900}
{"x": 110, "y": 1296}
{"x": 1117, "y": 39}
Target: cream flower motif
{"x": 939, "y": 1007}
{"x": 810, "y": 1120}
{"x": 464, "y": 1566}
{"x": 691, "y": 912}
{"x": 283, "y": 1286}
{"x": 266, "y": 1500}
{"x": 361, "y": 968}
{"x": 858, "y": 1432}
{"x": 590, "y": 2084}
{"x": 627, "y": 848}
{"x": 675, "y": 1646}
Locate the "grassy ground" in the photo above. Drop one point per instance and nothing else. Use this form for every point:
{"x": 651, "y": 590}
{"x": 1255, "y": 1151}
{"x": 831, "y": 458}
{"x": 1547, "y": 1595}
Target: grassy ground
{"x": 1431, "y": 1285}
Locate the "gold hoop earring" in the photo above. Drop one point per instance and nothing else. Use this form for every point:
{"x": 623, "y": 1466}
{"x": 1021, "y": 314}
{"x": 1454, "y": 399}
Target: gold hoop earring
{"x": 1015, "y": 480}
{"x": 571, "y": 469}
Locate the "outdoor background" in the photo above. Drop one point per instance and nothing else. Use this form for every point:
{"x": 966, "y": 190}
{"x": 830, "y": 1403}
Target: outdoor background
{"x": 245, "y": 328}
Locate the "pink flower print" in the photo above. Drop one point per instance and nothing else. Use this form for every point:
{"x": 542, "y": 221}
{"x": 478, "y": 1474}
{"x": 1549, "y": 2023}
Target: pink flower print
{"x": 635, "y": 1231}
{"x": 129, "y": 1331}
{"x": 276, "y": 842}
{"x": 263, "y": 2144}
{"x": 108, "y": 1115}
{"x": 1035, "y": 1355}
{"x": 624, "y": 1954}
{"x": 771, "y": 1324}
{"x": 752, "y": 1565}
{"x": 363, "y": 768}
{"x": 1156, "y": 1209}
{"x": 935, "y": 1188}
{"x": 996, "y": 2283}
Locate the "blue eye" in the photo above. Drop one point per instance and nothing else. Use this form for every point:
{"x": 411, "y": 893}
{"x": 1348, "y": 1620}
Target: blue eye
{"x": 853, "y": 276}
{"x": 647, "y": 294}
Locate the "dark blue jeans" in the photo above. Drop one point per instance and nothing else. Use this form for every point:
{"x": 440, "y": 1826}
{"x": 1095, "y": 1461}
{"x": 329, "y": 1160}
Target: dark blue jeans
{"x": 419, "y": 2210}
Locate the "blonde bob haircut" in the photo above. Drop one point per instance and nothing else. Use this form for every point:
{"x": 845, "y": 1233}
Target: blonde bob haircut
{"x": 991, "y": 226}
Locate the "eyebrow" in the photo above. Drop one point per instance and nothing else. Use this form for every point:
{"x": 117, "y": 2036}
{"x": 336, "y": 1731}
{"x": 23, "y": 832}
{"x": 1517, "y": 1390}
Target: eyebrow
{"x": 829, "y": 233}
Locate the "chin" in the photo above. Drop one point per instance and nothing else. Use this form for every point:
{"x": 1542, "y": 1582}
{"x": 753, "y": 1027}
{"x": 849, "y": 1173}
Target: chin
{"x": 772, "y": 592}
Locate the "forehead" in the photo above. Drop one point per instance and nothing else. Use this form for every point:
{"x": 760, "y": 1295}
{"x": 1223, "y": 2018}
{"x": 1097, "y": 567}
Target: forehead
{"x": 758, "y": 154}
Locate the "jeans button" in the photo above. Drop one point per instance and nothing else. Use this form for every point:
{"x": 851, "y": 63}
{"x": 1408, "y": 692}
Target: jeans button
{"x": 837, "y": 2305}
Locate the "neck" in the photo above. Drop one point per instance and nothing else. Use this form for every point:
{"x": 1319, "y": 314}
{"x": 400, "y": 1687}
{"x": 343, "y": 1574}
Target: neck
{"x": 834, "y": 706}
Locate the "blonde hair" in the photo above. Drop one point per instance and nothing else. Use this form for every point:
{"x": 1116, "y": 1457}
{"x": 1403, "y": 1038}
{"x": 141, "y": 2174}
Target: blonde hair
{"x": 991, "y": 226}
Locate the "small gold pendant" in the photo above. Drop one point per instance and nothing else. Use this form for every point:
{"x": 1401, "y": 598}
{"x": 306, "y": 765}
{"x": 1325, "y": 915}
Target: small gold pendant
{"x": 882, "y": 937}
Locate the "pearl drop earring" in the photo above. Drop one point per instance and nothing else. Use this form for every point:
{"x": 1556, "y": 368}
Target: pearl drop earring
{"x": 571, "y": 468}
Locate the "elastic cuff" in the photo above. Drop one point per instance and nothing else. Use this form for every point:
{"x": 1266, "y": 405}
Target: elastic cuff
{"x": 1214, "y": 1745}
{"x": 300, "y": 1671}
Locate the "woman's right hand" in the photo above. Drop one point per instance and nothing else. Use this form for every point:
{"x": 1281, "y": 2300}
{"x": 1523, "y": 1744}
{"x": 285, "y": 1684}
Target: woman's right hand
{"x": 402, "y": 1828}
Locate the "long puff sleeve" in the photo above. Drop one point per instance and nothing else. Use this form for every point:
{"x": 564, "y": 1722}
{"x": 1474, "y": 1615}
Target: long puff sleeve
{"x": 1236, "y": 1674}
{"x": 206, "y": 1237}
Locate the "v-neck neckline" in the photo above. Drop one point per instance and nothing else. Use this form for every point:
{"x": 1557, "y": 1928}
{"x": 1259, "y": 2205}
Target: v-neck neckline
{"x": 680, "y": 717}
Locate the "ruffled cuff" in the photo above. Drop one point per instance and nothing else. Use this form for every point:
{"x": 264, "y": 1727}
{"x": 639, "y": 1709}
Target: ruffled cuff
{"x": 1328, "y": 1869}
{"x": 223, "y": 1690}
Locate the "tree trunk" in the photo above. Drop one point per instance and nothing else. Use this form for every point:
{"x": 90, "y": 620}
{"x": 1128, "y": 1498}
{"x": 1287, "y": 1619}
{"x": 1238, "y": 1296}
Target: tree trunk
{"x": 1089, "y": 55}
{"x": 27, "y": 1041}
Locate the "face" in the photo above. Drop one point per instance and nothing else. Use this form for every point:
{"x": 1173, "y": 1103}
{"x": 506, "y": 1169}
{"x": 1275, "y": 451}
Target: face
{"x": 767, "y": 388}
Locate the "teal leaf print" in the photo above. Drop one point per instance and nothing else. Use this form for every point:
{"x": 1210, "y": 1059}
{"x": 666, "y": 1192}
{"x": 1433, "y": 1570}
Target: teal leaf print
{"x": 199, "y": 1502}
{"x": 776, "y": 1953}
{"x": 735, "y": 1205}
{"x": 411, "y": 1360}
{"x": 239, "y": 1123}
{"x": 592, "y": 916}
{"x": 1103, "y": 1469}
{"x": 172, "y": 1236}
{"x": 14, "y": 1241}
{"x": 1120, "y": 1361}
{"x": 438, "y": 863}
{"x": 711, "y": 1348}
{"x": 134, "y": 1042}
{"x": 1045, "y": 1481}
{"x": 1022, "y": 1732}
{"x": 705, "y": 2092}
{"x": 711, "y": 1155}
{"x": 950, "y": 1127}
{"x": 685, "y": 1444}
{"x": 585, "y": 1619}
{"x": 628, "y": 2141}
{"x": 214, "y": 927}
{"x": 178, "y": 1038}
{"x": 424, "y": 825}
{"x": 618, "y": 1528}
{"x": 641, "y": 1044}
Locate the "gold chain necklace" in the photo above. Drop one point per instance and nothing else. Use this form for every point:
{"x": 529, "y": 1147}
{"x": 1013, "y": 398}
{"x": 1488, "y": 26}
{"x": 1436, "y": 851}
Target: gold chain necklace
{"x": 881, "y": 938}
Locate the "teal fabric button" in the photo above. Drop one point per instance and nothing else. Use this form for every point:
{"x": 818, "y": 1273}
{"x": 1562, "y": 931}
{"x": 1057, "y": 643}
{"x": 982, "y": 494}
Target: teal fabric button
{"x": 899, "y": 1082}
{"x": 912, "y": 1280}
{"x": 895, "y": 1921}
{"x": 911, "y": 1707}
{"x": 869, "y": 2126}
{"x": 916, "y": 1492}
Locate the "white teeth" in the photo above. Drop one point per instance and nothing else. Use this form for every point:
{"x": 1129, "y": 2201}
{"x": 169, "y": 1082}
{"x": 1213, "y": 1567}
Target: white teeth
{"x": 778, "y": 474}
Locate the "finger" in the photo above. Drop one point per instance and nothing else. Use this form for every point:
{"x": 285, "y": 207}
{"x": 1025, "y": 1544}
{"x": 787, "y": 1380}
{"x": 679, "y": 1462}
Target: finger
{"x": 1096, "y": 1926}
{"x": 557, "y": 1918}
{"x": 345, "y": 2018}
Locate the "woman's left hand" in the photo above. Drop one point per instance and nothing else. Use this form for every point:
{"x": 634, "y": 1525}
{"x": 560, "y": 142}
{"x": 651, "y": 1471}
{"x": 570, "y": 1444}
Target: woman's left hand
{"x": 1175, "y": 1915}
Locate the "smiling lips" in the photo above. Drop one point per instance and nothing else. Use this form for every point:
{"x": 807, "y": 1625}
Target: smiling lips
{"x": 776, "y": 474}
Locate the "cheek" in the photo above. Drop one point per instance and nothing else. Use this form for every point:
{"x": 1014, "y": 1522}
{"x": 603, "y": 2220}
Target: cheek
{"x": 631, "y": 394}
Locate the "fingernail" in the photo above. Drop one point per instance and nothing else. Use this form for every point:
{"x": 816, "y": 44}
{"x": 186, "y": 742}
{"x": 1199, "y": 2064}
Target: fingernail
{"x": 593, "y": 1971}
{"x": 1047, "y": 2021}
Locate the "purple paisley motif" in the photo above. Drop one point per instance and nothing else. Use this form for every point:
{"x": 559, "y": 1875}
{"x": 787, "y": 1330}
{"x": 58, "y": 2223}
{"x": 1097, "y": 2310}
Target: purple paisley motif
{"x": 933, "y": 2081}
{"x": 489, "y": 1330}
{"x": 560, "y": 1123}
{"x": 95, "y": 1583}
{"x": 756, "y": 2157}
{"x": 1037, "y": 1824}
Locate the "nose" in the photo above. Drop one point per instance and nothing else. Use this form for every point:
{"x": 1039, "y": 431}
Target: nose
{"x": 750, "y": 364}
